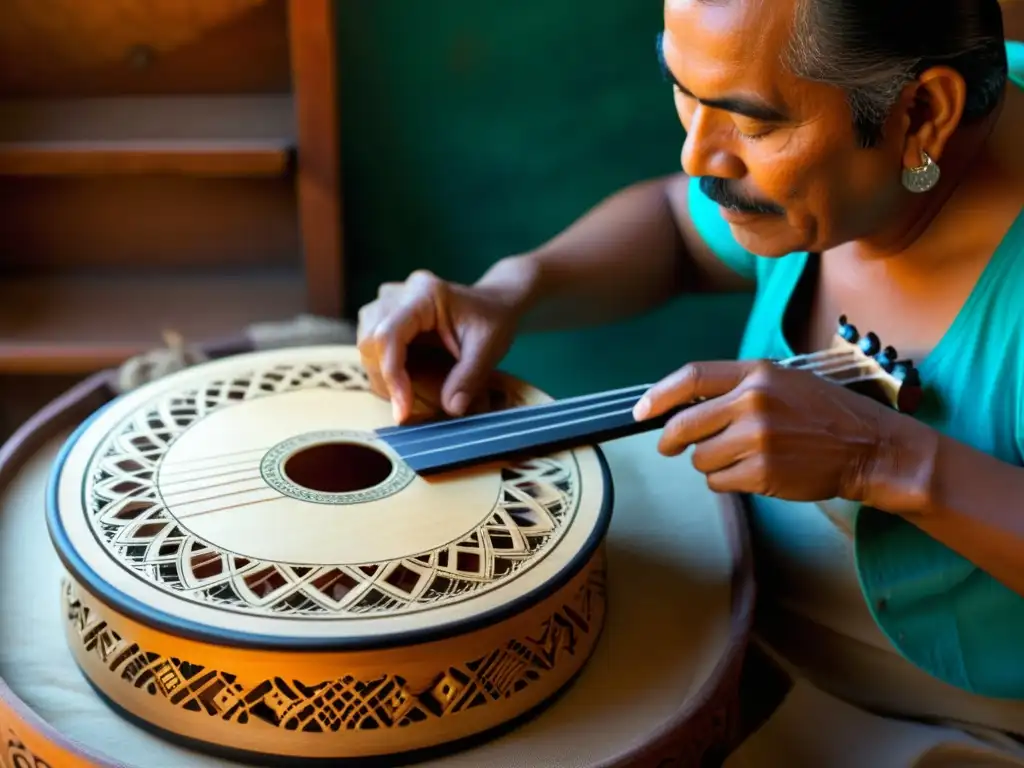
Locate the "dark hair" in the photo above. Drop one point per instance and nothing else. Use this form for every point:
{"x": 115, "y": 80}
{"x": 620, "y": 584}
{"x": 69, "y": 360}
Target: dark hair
{"x": 873, "y": 48}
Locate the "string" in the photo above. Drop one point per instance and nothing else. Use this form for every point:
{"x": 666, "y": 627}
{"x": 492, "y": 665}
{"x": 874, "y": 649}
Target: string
{"x": 568, "y": 402}
{"x": 575, "y": 417}
{"x": 470, "y": 424}
{"x": 513, "y": 417}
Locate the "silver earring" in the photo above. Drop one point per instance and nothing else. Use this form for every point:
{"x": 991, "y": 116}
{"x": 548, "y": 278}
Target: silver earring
{"x": 922, "y": 178}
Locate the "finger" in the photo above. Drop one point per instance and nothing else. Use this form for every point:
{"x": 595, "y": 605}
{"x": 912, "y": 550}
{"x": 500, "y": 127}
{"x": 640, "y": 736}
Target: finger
{"x": 468, "y": 376}
{"x": 392, "y": 337}
{"x": 719, "y": 452}
{"x": 742, "y": 477}
{"x": 426, "y": 283}
{"x": 377, "y": 384}
{"x": 692, "y": 382}
{"x": 368, "y": 353}
{"x": 696, "y": 424}
{"x": 396, "y": 378}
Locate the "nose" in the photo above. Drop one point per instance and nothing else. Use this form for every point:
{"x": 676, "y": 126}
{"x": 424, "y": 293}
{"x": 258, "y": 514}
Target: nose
{"x": 706, "y": 152}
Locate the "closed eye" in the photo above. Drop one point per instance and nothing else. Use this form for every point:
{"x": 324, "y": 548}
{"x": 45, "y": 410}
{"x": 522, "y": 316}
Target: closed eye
{"x": 746, "y": 106}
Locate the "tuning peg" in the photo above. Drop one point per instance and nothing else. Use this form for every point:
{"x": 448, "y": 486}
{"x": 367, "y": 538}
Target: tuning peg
{"x": 847, "y": 331}
{"x": 887, "y": 358}
{"x": 870, "y": 345}
{"x": 911, "y": 393}
{"x": 905, "y": 372}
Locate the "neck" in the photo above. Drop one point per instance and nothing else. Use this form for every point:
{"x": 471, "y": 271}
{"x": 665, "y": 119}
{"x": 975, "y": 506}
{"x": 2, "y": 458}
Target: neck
{"x": 965, "y": 156}
{"x": 549, "y": 427}
{"x": 873, "y": 370}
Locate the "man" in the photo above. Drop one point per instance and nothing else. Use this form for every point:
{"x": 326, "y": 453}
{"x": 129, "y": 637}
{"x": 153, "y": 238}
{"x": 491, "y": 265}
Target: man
{"x": 855, "y": 157}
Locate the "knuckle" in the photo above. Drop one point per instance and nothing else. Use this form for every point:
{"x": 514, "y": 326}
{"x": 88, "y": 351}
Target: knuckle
{"x": 366, "y": 317}
{"x": 756, "y": 397}
{"x": 761, "y": 439}
{"x": 687, "y": 381}
{"x": 763, "y": 376}
{"x": 675, "y": 430}
{"x": 366, "y": 348}
{"x": 691, "y": 374}
{"x": 382, "y": 331}
{"x": 424, "y": 277}
{"x": 761, "y": 475}
{"x": 699, "y": 460}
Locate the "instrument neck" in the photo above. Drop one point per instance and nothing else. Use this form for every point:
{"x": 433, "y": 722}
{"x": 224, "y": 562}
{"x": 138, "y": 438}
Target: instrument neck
{"x": 526, "y": 429}
{"x": 594, "y": 418}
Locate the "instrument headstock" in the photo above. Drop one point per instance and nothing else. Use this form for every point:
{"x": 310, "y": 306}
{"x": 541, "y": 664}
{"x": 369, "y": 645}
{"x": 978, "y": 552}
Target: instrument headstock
{"x": 860, "y": 362}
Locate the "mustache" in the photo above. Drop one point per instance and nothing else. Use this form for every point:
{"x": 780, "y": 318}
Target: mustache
{"x": 722, "y": 192}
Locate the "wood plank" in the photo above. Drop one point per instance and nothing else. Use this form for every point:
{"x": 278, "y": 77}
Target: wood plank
{"x": 61, "y": 48}
{"x": 147, "y": 223}
{"x": 22, "y": 396}
{"x": 315, "y": 84}
{"x": 1013, "y": 19}
{"x": 227, "y": 136}
{"x": 78, "y": 324}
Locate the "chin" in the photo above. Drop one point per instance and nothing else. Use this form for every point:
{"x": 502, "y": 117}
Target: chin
{"x": 765, "y": 235}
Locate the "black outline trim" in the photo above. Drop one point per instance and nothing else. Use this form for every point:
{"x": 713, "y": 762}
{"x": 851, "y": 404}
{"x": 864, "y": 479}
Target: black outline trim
{"x": 138, "y": 611}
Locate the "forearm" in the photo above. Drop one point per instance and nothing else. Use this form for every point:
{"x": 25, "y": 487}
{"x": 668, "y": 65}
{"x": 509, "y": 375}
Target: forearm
{"x": 623, "y": 258}
{"x": 966, "y": 499}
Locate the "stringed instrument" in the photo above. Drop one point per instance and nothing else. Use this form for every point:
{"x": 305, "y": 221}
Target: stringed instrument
{"x": 857, "y": 362}
{"x": 259, "y": 564}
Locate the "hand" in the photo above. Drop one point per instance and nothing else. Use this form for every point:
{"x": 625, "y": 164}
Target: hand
{"x": 475, "y": 325}
{"x": 772, "y": 431}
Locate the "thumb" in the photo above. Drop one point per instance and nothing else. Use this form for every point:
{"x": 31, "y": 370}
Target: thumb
{"x": 478, "y": 354}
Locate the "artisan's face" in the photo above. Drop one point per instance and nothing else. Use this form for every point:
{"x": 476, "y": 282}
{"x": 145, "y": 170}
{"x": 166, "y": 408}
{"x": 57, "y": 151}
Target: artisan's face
{"x": 791, "y": 174}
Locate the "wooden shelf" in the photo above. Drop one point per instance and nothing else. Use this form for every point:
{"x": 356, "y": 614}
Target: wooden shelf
{"x": 80, "y": 324}
{"x": 225, "y": 136}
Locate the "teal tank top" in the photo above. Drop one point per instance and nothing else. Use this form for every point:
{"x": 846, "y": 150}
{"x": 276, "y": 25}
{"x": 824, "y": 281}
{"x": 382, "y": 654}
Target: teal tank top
{"x": 939, "y": 611}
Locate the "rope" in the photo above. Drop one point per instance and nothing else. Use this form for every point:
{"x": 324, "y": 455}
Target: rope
{"x": 157, "y": 363}
{"x": 176, "y": 355}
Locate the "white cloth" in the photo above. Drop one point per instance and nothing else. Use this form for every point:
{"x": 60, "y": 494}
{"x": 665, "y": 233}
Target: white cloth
{"x": 814, "y": 730}
{"x": 670, "y": 573}
{"x": 816, "y": 624}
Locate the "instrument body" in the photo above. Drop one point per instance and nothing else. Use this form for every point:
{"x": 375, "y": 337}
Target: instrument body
{"x": 661, "y": 698}
{"x": 232, "y": 583}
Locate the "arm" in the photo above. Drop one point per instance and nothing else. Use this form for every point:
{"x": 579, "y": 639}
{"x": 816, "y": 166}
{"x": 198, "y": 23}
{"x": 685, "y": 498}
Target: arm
{"x": 966, "y": 499}
{"x": 633, "y": 252}
{"x": 789, "y": 434}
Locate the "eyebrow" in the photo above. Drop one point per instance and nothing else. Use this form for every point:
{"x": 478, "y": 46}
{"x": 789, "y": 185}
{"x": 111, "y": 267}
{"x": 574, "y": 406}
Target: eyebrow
{"x": 752, "y": 108}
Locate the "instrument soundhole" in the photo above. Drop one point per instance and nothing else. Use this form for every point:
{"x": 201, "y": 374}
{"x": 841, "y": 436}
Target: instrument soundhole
{"x": 338, "y": 467}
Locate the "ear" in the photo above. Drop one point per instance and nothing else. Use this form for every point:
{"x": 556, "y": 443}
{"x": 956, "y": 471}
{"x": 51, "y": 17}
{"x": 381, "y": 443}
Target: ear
{"x": 934, "y": 106}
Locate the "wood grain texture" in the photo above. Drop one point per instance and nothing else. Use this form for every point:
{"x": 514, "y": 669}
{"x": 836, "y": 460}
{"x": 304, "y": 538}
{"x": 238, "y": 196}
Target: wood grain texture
{"x": 313, "y": 61}
{"x": 1013, "y": 19}
{"x": 201, "y": 136}
{"x": 114, "y": 47}
{"x": 146, "y": 223}
{"x": 74, "y": 325}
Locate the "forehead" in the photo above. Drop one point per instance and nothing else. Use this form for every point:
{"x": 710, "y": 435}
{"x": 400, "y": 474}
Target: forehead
{"x": 722, "y": 45}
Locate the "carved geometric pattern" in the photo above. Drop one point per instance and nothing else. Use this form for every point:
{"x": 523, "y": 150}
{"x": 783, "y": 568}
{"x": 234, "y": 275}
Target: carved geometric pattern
{"x": 536, "y": 501}
{"x": 17, "y": 755}
{"x": 345, "y": 703}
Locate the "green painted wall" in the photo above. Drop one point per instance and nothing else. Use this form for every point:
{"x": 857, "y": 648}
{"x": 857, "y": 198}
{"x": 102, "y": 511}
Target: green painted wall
{"x": 475, "y": 129}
